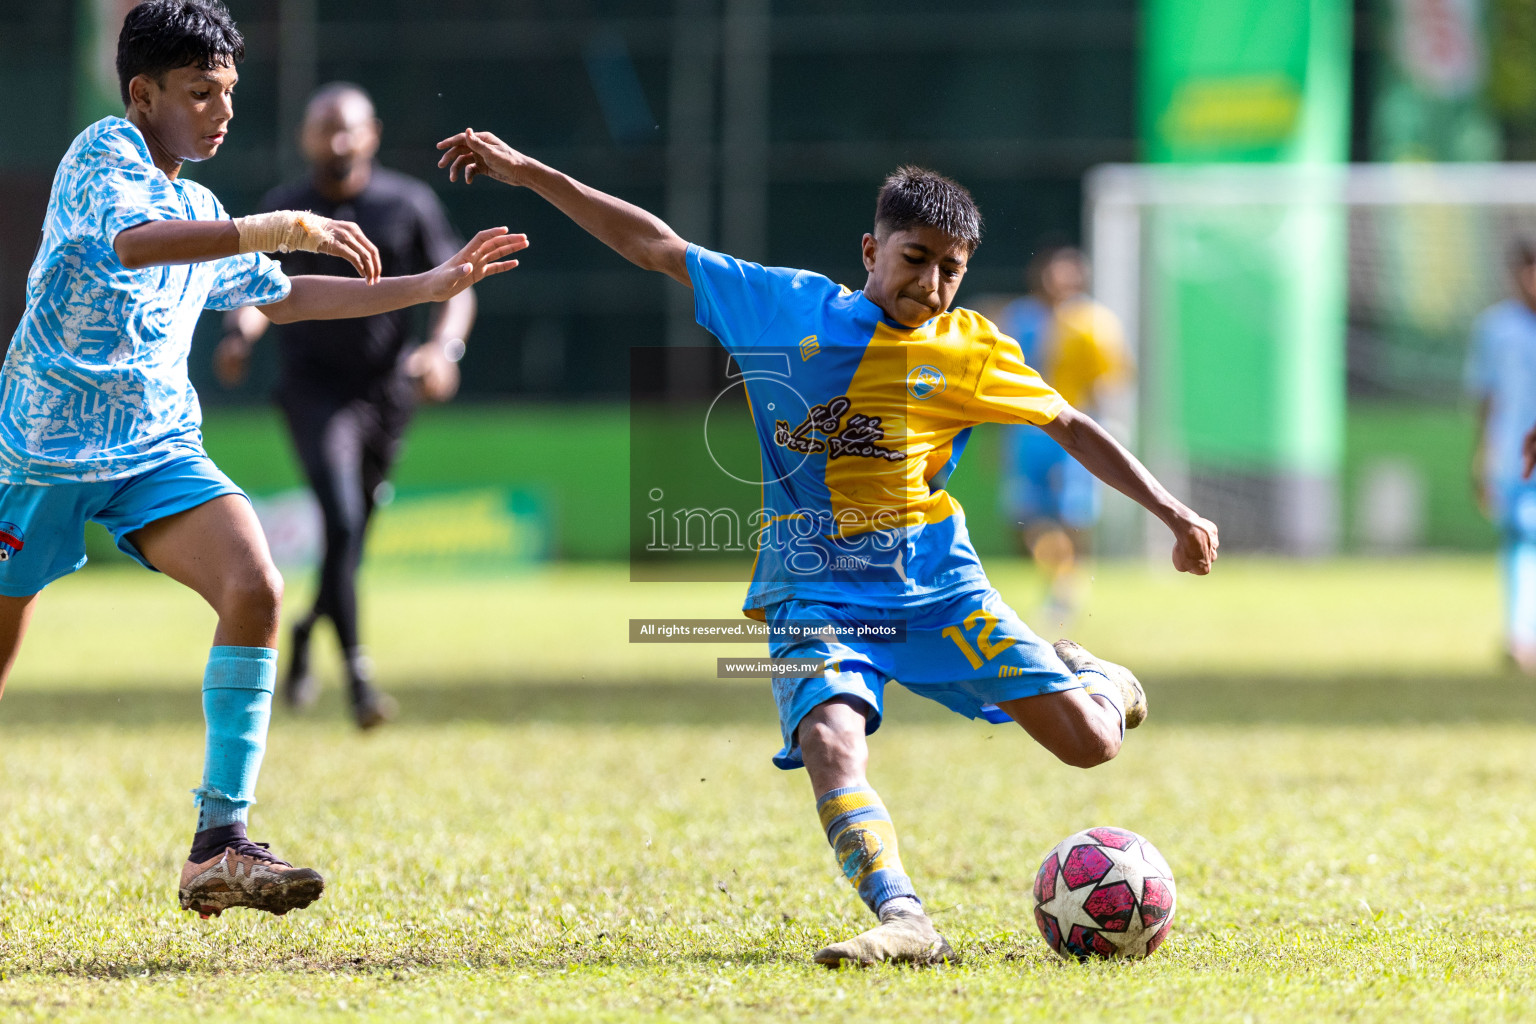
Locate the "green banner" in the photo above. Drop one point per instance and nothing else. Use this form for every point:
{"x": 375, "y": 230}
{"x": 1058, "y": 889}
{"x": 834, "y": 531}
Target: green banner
{"x": 1431, "y": 103}
{"x": 1231, "y": 81}
{"x": 1431, "y": 95}
{"x": 1247, "y": 299}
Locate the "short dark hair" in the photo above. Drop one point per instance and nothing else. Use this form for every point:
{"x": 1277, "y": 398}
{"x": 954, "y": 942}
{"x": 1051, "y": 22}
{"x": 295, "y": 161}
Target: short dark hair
{"x": 162, "y": 35}
{"x": 917, "y": 197}
{"x": 332, "y": 90}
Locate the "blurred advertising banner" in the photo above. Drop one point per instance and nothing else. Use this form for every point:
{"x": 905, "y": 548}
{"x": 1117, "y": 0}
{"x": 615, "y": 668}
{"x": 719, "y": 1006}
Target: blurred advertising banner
{"x": 466, "y": 529}
{"x": 1229, "y": 81}
{"x": 1431, "y": 104}
{"x": 1430, "y": 99}
{"x": 1249, "y": 298}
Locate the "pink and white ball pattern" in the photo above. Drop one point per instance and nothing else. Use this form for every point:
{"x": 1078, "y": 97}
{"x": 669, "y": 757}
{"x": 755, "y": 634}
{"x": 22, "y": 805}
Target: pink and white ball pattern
{"x": 1104, "y": 892}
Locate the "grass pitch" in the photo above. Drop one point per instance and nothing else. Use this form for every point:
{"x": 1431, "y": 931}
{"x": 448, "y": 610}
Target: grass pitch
{"x": 567, "y": 827}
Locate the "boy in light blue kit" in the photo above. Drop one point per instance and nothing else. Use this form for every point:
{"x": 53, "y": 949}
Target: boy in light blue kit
{"x": 857, "y": 437}
{"x": 98, "y": 420}
{"x": 1501, "y": 375}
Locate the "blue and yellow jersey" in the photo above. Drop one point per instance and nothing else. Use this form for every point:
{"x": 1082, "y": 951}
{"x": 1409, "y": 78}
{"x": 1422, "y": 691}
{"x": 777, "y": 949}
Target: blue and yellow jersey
{"x": 1085, "y": 351}
{"x": 860, "y": 421}
{"x": 1079, "y": 347}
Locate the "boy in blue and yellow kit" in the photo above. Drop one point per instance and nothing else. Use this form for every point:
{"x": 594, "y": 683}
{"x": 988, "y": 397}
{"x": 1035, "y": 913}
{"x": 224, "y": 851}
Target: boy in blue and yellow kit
{"x": 1076, "y": 345}
{"x": 856, "y": 440}
{"x": 98, "y": 420}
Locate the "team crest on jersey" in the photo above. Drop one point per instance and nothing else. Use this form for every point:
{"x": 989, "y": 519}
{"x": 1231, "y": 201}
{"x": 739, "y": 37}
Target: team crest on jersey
{"x": 10, "y": 541}
{"x": 926, "y": 381}
{"x": 855, "y": 435}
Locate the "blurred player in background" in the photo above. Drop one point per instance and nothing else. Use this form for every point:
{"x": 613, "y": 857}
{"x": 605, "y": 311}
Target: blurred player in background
{"x": 1079, "y": 349}
{"x": 98, "y": 420}
{"x": 1501, "y": 375}
{"x": 348, "y": 387}
{"x": 861, "y": 531}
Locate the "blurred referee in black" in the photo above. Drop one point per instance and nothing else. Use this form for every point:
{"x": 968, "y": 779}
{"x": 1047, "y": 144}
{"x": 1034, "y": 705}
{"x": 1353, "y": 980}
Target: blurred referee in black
{"x": 348, "y": 387}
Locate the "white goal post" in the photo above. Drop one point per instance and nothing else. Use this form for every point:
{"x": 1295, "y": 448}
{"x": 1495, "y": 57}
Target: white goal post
{"x": 1426, "y": 249}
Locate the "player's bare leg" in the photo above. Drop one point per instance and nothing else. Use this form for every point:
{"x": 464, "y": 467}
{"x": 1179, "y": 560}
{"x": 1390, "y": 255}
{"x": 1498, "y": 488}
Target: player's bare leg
{"x": 863, "y": 839}
{"x": 1083, "y": 727}
{"x": 15, "y": 614}
{"x": 218, "y": 550}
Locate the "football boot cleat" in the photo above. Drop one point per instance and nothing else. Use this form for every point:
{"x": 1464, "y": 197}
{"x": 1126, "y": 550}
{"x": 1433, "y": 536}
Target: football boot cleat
{"x": 901, "y": 938}
{"x": 247, "y": 874}
{"x": 1132, "y": 697}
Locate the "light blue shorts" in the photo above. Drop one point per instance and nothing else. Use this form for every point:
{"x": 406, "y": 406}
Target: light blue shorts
{"x": 42, "y": 526}
{"x": 969, "y": 653}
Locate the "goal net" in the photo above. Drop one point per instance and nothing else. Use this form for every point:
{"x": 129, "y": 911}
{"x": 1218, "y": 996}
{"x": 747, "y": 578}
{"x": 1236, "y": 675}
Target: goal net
{"x": 1261, "y": 301}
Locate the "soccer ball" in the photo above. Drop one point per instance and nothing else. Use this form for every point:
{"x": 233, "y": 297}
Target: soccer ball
{"x": 1104, "y": 892}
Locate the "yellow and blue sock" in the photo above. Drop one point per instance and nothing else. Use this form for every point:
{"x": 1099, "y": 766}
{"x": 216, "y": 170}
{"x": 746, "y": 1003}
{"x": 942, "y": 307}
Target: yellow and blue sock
{"x": 864, "y": 842}
{"x": 237, "y": 706}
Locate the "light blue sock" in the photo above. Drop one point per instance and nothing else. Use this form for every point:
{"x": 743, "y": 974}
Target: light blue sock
{"x": 237, "y": 705}
{"x": 1520, "y": 591}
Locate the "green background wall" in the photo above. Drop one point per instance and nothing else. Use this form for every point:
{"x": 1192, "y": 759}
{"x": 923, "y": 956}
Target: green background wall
{"x": 576, "y": 461}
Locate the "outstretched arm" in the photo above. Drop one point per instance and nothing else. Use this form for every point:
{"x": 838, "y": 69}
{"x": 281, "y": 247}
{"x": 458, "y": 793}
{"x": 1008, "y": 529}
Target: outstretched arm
{"x": 167, "y": 242}
{"x": 1194, "y": 539}
{"x": 316, "y": 297}
{"x": 640, "y": 237}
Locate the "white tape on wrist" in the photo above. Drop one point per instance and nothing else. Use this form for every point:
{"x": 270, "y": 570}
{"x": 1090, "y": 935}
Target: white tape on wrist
{"x": 283, "y": 231}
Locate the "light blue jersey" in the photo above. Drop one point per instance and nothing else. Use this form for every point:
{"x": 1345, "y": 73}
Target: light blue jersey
{"x": 1502, "y": 370}
{"x": 95, "y": 382}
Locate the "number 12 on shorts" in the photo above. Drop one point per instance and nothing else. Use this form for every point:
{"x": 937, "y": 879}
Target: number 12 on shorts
{"x": 989, "y": 648}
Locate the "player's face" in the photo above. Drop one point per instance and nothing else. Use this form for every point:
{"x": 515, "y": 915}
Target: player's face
{"x": 338, "y": 134}
{"x": 187, "y": 114}
{"x": 914, "y": 273}
{"x": 1063, "y": 278}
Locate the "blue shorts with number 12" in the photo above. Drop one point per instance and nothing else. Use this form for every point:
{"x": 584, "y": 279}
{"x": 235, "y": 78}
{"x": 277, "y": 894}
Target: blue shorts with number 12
{"x": 970, "y": 653}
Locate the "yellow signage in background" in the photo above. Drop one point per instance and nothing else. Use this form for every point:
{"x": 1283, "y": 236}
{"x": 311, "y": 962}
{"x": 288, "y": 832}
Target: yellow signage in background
{"x": 474, "y": 529}
{"x": 458, "y": 525}
{"x": 1242, "y": 110}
